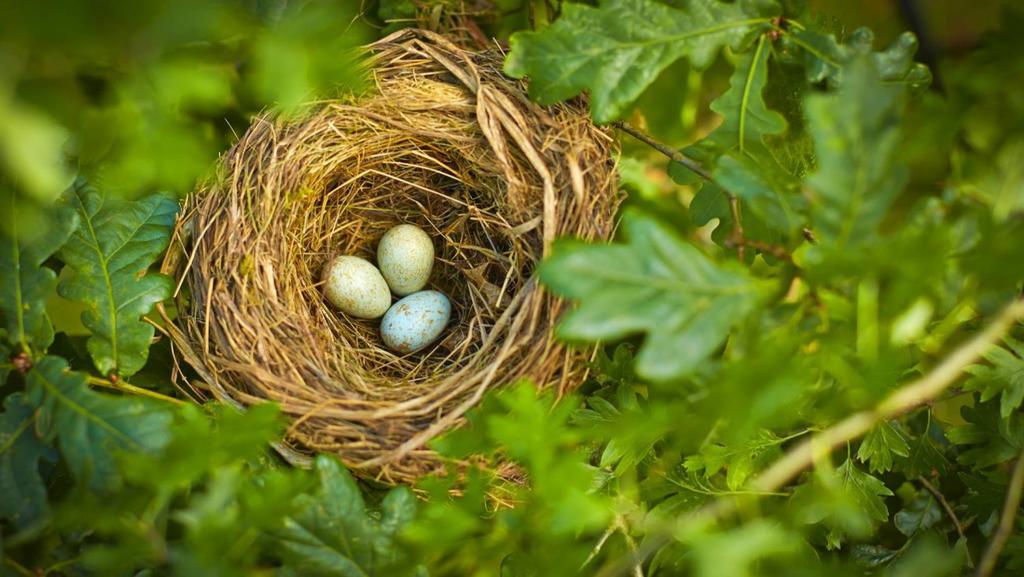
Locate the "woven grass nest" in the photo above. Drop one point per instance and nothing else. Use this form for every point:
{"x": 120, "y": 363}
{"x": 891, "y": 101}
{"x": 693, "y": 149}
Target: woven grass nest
{"x": 444, "y": 142}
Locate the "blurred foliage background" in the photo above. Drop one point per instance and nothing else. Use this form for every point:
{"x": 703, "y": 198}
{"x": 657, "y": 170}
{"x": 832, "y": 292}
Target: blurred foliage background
{"x": 139, "y": 98}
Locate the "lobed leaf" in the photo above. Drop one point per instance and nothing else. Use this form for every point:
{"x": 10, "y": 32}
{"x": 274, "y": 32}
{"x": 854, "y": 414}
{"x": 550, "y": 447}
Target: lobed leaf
{"x": 856, "y": 136}
{"x": 90, "y": 427}
{"x": 616, "y": 49}
{"x": 657, "y": 284}
{"x": 107, "y": 260}
{"x": 880, "y": 447}
{"x": 1004, "y": 377}
{"x": 26, "y": 283}
{"x": 21, "y": 486}
{"x": 334, "y": 535}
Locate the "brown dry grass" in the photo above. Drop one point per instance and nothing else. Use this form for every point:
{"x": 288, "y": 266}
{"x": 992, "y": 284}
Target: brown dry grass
{"x": 444, "y": 142}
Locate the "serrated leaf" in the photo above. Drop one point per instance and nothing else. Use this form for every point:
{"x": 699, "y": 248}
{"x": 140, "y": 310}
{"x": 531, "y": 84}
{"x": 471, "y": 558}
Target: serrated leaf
{"x": 23, "y": 492}
{"x": 334, "y": 535}
{"x": 1004, "y": 377}
{"x": 880, "y": 447}
{"x": 994, "y": 439}
{"x": 740, "y": 461}
{"x": 920, "y": 515}
{"x": 657, "y": 284}
{"x": 856, "y": 136}
{"x": 926, "y": 457}
{"x": 90, "y": 427}
{"x": 846, "y": 500}
{"x": 25, "y": 283}
{"x": 108, "y": 258}
{"x": 616, "y": 49}
{"x": 746, "y": 117}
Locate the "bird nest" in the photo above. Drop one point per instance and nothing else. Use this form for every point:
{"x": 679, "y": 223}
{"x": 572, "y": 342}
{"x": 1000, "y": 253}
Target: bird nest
{"x": 445, "y": 142}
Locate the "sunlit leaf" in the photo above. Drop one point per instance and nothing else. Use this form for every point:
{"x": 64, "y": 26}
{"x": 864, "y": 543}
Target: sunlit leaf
{"x": 615, "y": 50}
{"x": 108, "y": 258}
{"x": 656, "y": 284}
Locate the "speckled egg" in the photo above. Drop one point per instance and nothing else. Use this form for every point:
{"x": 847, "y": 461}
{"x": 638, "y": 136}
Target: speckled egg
{"x": 415, "y": 321}
{"x": 356, "y": 287}
{"x": 405, "y": 256}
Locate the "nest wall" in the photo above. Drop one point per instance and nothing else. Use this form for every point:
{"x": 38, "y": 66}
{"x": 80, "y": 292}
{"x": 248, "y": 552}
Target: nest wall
{"x": 445, "y": 142}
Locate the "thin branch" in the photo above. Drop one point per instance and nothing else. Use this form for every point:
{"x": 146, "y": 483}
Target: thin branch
{"x": 899, "y": 402}
{"x": 1006, "y": 520}
{"x": 668, "y": 151}
{"x": 949, "y": 512}
{"x": 600, "y": 543}
{"x": 132, "y": 390}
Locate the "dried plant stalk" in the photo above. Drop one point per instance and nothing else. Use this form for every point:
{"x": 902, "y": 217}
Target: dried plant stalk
{"x": 444, "y": 142}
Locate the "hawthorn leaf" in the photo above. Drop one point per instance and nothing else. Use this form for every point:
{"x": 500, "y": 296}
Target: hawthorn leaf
{"x": 921, "y": 514}
{"x": 616, "y": 49}
{"x": 90, "y": 427}
{"x": 657, "y": 284}
{"x": 880, "y": 447}
{"x": 334, "y": 535}
{"x": 107, "y": 260}
{"x": 993, "y": 439}
{"x": 856, "y": 137}
{"x": 26, "y": 283}
{"x": 846, "y": 500}
{"x": 926, "y": 457}
{"x": 1004, "y": 377}
{"x": 739, "y": 461}
{"x": 24, "y": 494}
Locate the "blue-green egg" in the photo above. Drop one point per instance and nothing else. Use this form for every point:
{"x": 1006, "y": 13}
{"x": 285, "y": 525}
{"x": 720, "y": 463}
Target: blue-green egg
{"x": 415, "y": 321}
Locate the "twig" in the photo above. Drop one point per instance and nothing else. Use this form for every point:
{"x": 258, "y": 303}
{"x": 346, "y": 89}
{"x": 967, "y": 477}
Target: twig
{"x": 132, "y": 389}
{"x": 668, "y": 151}
{"x": 736, "y": 238}
{"x": 807, "y": 453}
{"x": 600, "y": 544}
{"x": 21, "y": 569}
{"x": 1006, "y": 519}
{"x": 949, "y": 512}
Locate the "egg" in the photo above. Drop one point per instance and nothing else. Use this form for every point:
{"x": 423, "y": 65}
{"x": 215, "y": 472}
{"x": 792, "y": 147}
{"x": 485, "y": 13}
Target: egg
{"x": 356, "y": 287}
{"x": 415, "y": 321}
{"x": 405, "y": 256}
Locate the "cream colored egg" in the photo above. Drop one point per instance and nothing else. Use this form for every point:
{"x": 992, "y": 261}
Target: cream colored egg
{"x": 356, "y": 287}
{"x": 415, "y": 321}
{"x": 405, "y": 256}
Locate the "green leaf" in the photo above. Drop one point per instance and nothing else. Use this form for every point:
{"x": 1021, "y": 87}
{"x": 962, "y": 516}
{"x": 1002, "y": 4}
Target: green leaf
{"x": 920, "y": 515}
{"x": 856, "y": 136}
{"x": 90, "y": 427}
{"x": 766, "y": 192}
{"x": 335, "y": 536}
{"x": 26, "y": 283}
{"x": 657, "y": 284}
{"x": 926, "y": 457}
{"x": 616, "y": 49}
{"x": 825, "y": 58}
{"x": 847, "y": 500}
{"x": 740, "y": 461}
{"x": 108, "y": 258}
{"x": 994, "y": 439}
{"x": 746, "y": 117}
{"x": 24, "y": 494}
{"x": 741, "y": 551}
{"x": 1004, "y": 377}
{"x": 881, "y": 445}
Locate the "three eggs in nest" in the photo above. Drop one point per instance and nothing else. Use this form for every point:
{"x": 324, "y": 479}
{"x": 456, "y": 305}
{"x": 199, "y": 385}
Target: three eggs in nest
{"x": 405, "y": 257}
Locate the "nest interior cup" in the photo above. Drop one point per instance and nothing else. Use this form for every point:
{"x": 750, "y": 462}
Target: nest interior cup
{"x": 445, "y": 142}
